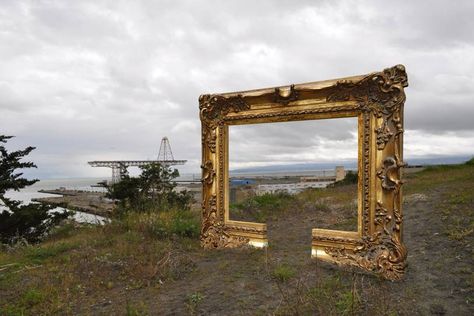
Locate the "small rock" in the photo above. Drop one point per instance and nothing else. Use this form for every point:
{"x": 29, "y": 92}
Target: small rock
{"x": 416, "y": 197}
{"x": 437, "y": 309}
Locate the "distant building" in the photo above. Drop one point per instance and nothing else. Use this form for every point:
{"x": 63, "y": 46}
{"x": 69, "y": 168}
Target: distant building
{"x": 338, "y": 174}
{"x": 237, "y": 182}
{"x": 291, "y": 188}
{"x": 320, "y": 181}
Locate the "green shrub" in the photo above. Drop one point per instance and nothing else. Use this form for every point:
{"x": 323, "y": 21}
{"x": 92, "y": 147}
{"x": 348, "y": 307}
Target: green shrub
{"x": 153, "y": 190}
{"x": 350, "y": 178}
{"x": 32, "y": 297}
{"x": 185, "y": 224}
{"x": 261, "y": 207}
{"x": 163, "y": 224}
{"x": 38, "y": 254}
{"x": 346, "y": 303}
{"x": 283, "y": 273}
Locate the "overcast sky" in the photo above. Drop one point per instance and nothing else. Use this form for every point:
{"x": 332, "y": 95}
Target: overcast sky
{"x": 91, "y": 80}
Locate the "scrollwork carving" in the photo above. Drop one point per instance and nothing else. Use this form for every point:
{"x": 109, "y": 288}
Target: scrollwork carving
{"x": 214, "y": 107}
{"x": 381, "y": 253}
{"x": 384, "y": 134}
{"x": 209, "y": 214}
{"x": 378, "y": 101}
{"x": 208, "y": 172}
{"x": 213, "y": 231}
{"x": 380, "y": 93}
{"x": 390, "y": 174}
{"x": 209, "y": 138}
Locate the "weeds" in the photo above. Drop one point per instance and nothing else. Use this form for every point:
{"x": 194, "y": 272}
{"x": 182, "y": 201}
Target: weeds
{"x": 282, "y": 273}
{"x": 140, "y": 256}
{"x": 263, "y": 207}
{"x": 459, "y": 233}
{"x": 162, "y": 224}
{"x": 193, "y": 302}
{"x": 32, "y": 297}
{"x": 38, "y": 254}
{"x": 135, "y": 310}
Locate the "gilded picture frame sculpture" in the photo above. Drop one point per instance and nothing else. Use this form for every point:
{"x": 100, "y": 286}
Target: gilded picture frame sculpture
{"x": 377, "y": 100}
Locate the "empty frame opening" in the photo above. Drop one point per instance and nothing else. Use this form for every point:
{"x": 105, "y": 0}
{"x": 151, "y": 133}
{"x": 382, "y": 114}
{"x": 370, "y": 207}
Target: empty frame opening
{"x": 295, "y": 174}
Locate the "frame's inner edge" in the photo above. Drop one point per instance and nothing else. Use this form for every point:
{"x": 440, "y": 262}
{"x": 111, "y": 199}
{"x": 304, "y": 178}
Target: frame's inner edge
{"x": 259, "y": 230}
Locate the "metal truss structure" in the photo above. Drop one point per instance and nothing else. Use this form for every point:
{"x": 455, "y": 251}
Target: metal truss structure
{"x": 119, "y": 167}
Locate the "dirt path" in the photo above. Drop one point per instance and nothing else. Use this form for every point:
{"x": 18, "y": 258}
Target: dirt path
{"x": 240, "y": 281}
{"x": 284, "y": 280}
{"x": 439, "y": 279}
{"x": 111, "y": 270}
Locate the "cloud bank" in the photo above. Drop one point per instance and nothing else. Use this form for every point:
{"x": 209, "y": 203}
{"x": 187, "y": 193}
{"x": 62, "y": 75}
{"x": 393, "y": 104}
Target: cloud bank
{"x": 92, "y": 80}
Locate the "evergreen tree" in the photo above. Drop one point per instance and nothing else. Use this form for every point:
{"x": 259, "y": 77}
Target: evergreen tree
{"x": 153, "y": 190}
{"x": 21, "y": 221}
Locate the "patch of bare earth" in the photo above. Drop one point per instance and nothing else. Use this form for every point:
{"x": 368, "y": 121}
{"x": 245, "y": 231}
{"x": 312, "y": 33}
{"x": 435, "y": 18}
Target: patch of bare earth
{"x": 177, "y": 277}
{"x": 438, "y": 281}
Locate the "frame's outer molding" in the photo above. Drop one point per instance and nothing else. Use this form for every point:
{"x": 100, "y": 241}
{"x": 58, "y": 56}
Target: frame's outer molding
{"x": 377, "y": 100}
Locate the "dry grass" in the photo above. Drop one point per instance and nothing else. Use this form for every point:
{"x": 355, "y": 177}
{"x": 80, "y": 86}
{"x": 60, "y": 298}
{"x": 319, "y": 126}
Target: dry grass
{"x": 73, "y": 270}
{"x": 144, "y": 263}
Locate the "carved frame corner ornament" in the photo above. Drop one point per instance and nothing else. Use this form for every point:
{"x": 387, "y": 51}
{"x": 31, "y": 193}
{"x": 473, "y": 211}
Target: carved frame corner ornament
{"x": 377, "y": 100}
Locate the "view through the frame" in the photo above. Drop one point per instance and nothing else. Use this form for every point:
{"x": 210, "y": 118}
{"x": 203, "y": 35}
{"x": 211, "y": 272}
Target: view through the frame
{"x": 309, "y": 180}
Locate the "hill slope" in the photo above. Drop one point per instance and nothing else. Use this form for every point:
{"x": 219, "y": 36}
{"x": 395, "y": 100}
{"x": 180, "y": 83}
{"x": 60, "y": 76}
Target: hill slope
{"x": 130, "y": 268}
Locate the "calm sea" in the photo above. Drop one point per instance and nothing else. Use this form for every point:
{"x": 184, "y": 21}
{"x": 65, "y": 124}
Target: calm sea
{"x": 31, "y": 192}
{"x": 25, "y": 195}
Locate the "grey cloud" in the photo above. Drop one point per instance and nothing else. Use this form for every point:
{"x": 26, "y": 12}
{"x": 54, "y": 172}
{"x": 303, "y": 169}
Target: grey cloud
{"x": 266, "y": 142}
{"x": 107, "y": 79}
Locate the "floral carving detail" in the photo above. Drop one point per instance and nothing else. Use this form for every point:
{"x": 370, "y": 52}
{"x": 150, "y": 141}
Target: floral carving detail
{"x": 209, "y": 214}
{"x": 208, "y": 172}
{"x": 381, "y": 254}
{"x": 380, "y": 93}
{"x": 378, "y": 99}
{"x": 389, "y": 173}
{"x": 217, "y": 237}
{"x": 397, "y": 123}
{"x": 381, "y": 250}
{"x": 214, "y": 107}
{"x": 213, "y": 230}
{"x": 382, "y": 217}
{"x": 384, "y": 134}
{"x": 209, "y": 138}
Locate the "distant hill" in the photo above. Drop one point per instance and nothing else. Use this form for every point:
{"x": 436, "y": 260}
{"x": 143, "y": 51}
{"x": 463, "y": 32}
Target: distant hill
{"x": 348, "y": 164}
{"x": 296, "y": 167}
{"x": 442, "y": 160}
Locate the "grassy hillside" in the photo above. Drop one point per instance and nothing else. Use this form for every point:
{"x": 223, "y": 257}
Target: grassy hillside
{"x": 153, "y": 265}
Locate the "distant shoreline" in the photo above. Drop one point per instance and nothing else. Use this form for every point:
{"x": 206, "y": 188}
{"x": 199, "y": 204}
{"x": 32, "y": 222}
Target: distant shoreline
{"x": 289, "y": 168}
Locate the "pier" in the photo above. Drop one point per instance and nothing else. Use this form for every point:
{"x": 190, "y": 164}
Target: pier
{"x": 119, "y": 167}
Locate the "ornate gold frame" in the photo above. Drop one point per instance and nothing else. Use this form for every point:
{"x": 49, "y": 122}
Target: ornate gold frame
{"x": 377, "y": 101}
